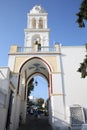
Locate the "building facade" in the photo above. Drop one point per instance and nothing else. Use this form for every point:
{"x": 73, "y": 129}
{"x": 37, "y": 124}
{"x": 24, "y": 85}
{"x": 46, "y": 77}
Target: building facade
{"x": 57, "y": 65}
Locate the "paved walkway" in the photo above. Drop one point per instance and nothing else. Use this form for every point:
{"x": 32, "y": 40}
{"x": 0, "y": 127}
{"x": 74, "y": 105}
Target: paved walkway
{"x": 36, "y": 124}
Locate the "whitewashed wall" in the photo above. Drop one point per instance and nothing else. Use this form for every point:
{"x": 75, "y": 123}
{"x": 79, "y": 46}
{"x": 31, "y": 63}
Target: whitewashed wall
{"x": 75, "y": 86}
{"x": 11, "y": 61}
{"x": 70, "y": 82}
{"x": 2, "y": 118}
{"x": 4, "y": 86}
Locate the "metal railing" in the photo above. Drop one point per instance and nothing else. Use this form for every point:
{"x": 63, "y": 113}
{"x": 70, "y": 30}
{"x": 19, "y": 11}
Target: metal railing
{"x": 31, "y": 49}
{"x": 24, "y": 49}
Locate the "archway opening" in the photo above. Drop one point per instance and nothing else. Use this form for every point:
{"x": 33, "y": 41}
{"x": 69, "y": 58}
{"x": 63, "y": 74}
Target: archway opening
{"x": 37, "y": 98}
{"x": 35, "y": 66}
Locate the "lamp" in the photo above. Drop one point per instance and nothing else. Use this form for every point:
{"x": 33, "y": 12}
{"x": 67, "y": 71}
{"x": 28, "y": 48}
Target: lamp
{"x": 36, "y": 83}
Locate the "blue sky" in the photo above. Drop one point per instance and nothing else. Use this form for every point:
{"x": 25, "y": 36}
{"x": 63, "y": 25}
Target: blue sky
{"x": 41, "y": 90}
{"x": 61, "y": 21}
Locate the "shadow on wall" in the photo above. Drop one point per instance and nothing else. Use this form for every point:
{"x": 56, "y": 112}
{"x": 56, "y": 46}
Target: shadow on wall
{"x": 59, "y": 124}
{"x": 78, "y": 117}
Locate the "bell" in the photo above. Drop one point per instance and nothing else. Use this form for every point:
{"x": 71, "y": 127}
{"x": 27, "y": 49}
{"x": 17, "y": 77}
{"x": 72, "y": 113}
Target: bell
{"x": 36, "y": 83}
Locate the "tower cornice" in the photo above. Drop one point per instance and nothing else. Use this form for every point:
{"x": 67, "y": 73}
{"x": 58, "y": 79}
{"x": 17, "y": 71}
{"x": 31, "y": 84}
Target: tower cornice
{"x": 36, "y": 30}
{"x": 41, "y": 14}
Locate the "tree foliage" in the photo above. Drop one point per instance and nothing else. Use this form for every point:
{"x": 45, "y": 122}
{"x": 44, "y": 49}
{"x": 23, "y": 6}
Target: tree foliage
{"x": 47, "y": 104}
{"x": 82, "y": 14}
{"x": 83, "y": 66}
{"x": 40, "y": 102}
{"x": 82, "y": 17}
{"x": 30, "y": 86}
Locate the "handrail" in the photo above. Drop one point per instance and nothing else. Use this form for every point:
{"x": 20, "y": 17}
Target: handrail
{"x": 24, "y": 49}
{"x": 31, "y": 49}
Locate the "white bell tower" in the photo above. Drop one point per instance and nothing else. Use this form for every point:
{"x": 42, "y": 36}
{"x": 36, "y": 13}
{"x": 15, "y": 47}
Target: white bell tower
{"x": 37, "y": 58}
{"x": 37, "y": 30}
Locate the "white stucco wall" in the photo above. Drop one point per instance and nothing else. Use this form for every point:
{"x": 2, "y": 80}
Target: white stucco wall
{"x": 71, "y": 83}
{"x": 57, "y": 84}
{"x": 75, "y": 86}
{"x": 17, "y": 113}
{"x": 4, "y": 72}
{"x": 4, "y": 86}
{"x": 2, "y": 118}
{"x": 11, "y": 61}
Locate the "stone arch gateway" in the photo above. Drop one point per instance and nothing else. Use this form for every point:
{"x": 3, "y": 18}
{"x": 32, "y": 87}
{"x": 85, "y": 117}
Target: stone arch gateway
{"x": 34, "y": 66}
{"x": 25, "y": 62}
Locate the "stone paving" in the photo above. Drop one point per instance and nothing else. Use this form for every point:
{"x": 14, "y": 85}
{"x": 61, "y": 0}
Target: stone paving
{"x": 36, "y": 124}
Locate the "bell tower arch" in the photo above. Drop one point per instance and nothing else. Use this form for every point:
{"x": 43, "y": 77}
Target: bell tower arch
{"x": 37, "y": 26}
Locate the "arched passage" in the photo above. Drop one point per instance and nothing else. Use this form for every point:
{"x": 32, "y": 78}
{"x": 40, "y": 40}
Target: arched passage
{"x": 40, "y": 92}
{"x": 40, "y": 75}
{"x": 31, "y": 67}
{"x": 41, "y": 89}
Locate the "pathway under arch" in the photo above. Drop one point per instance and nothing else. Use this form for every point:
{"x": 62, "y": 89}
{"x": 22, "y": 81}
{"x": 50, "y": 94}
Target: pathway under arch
{"x": 39, "y": 124}
{"x": 30, "y": 68}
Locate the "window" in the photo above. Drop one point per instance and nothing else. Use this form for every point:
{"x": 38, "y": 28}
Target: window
{"x": 41, "y": 23}
{"x": 33, "y": 23}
